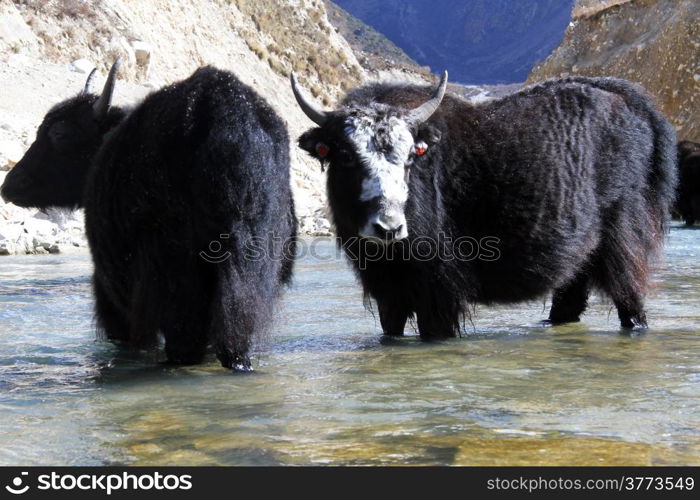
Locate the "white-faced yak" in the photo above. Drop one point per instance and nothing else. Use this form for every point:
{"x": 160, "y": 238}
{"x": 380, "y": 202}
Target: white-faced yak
{"x": 562, "y": 187}
{"x": 176, "y": 192}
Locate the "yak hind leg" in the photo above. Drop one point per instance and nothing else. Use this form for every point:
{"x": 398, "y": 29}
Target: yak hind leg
{"x": 110, "y": 319}
{"x": 570, "y": 301}
{"x": 392, "y": 316}
{"x": 233, "y": 338}
{"x": 184, "y": 327}
{"x": 232, "y": 330}
{"x": 186, "y": 334}
{"x": 623, "y": 276}
{"x": 185, "y": 344}
{"x": 630, "y": 311}
{"x": 183, "y": 316}
{"x": 239, "y": 311}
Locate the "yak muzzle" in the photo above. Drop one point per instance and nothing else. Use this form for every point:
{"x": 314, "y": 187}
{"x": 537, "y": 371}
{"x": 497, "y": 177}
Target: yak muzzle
{"x": 386, "y": 227}
{"x": 15, "y": 187}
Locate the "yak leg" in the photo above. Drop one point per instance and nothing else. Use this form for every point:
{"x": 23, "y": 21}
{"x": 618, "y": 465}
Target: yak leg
{"x": 439, "y": 321}
{"x": 235, "y": 317}
{"x": 628, "y": 298}
{"x": 623, "y": 275}
{"x": 184, "y": 314}
{"x": 570, "y": 301}
{"x": 233, "y": 334}
{"x": 630, "y": 310}
{"x": 393, "y": 316}
{"x": 186, "y": 331}
{"x": 109, "y": 318}
{"x": 694, "y": 212}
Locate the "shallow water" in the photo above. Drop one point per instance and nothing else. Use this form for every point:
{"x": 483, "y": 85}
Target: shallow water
{"x": 330, "y": 390}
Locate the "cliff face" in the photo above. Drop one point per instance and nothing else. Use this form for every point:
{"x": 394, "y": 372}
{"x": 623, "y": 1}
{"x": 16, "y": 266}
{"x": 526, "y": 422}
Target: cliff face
{"x": 477, "y": 41}
{"x": 161, "y": 41}
{"x": 652, "y": 42}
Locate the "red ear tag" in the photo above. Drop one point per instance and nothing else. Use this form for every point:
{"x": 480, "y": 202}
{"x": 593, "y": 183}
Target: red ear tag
{"x": 421, "y": 150}
{"x": 322, "y": 150}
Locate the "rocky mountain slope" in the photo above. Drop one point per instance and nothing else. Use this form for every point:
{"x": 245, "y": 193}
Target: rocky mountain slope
{"x": 652, "y": 42}
{"x": 48, "y": 46}
{"x": 477, "y": 41}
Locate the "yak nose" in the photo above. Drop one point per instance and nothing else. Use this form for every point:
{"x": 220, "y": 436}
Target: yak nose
{"x": 6, "y": 191}
{"x": 389, "y": 226}
{"x": 14, "y": 185}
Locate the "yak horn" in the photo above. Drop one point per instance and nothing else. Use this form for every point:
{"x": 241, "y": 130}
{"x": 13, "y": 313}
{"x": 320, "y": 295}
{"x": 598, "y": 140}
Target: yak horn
{"x": 315, "y": 114}
{"x": 90, "y": 82}
{"x": 423, "y": 112}
{"x": 103, "y": 102}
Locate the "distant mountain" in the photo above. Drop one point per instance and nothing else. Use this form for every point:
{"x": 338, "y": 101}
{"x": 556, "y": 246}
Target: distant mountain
{"x": 477, "y": 41}
{"x": 374, "y": 51}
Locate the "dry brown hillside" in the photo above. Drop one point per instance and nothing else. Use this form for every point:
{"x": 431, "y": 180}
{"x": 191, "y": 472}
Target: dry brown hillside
{"x": 653, "y": 42}
{"x": 161, "y": 41}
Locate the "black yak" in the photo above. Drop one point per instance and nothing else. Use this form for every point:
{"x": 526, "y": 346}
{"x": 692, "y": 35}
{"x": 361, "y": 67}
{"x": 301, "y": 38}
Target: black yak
{"x": 688, "y": 202}
{"x": 199, "y": 167}
{"x": 561, "y": 187}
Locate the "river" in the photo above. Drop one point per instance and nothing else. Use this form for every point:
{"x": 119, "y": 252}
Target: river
{"x": 328, "y": 389}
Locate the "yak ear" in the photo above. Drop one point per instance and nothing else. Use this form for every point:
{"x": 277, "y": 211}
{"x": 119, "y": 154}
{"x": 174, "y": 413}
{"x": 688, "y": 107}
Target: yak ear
{"x": 314, "y": 143}
{"x": 309, "y": 140}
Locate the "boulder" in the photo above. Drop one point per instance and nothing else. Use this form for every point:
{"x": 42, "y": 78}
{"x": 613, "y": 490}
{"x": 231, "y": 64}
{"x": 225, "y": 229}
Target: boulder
{"x": 81, "y": 66}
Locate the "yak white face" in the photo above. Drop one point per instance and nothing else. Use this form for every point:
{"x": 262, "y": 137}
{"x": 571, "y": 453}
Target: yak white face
{"x": 370, "y": 147}
{"x": 383, "y": 146}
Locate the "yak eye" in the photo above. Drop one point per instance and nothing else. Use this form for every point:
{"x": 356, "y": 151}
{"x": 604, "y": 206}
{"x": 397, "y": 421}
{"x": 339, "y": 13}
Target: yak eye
{"x": 421, "y": 148}
{"x": 58, "y": 132}
{"x": 322, "y": 149}
{"x": 345, "y": 156}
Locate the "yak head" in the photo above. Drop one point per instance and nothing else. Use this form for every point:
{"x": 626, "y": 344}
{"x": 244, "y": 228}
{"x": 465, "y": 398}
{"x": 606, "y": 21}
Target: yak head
{"x": 53, "y": 171}
{"x": 369, "y": 150}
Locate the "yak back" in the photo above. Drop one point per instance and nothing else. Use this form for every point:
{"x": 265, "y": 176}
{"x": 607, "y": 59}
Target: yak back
{"x": 200, "y": 161}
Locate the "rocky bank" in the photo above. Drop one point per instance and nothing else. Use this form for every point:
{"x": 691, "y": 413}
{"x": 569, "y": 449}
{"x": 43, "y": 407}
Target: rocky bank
{"x": 652, "y": 42}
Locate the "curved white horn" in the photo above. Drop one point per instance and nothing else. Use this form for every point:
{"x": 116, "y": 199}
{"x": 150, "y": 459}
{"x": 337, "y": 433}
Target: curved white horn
{"x": 90, "y": 82}
{"x": 426, "y": 110}
{"x": 315, "y": 113}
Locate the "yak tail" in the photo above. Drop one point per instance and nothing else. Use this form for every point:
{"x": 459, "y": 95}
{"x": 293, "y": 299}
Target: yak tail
{"x": 663, "y": 174}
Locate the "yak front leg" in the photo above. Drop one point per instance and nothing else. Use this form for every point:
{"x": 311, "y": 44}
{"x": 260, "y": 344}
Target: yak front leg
{"x": 439, "y": 320}
{"x": 393, "y": 316}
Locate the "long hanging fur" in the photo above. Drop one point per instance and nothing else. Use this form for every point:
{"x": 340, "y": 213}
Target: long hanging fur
{"x": 573, "y": 177}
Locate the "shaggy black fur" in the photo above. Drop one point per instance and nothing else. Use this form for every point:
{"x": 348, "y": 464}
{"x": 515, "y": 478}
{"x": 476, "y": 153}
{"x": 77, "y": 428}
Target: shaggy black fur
{"x": 199, "y": 159}
{"x": 688, "y": 203}
{"x": 575, "y": 177}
